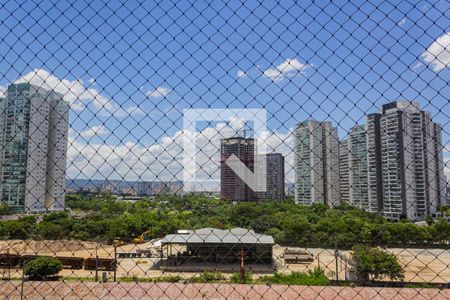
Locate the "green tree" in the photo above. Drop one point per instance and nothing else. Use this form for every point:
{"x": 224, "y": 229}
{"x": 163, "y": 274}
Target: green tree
{"x": 23, "y": 228}
{"x": 42, "y": 267}
{"x": 441, "y": 230}
{"x": 373, "y": 263}
{"x": 16, "y": 230}
{"x": 51, "y": 231}
{"x": 55, "y": 226}
{"x": 263, "y": 223}
{"x": 5, "y": 209}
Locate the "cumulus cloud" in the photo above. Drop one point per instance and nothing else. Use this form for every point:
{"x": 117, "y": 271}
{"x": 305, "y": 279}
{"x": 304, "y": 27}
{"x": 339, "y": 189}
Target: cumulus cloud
{"x": 241, "y": 74}
{"x": 164, "y": 159}
{"x": 97, "y": 130}
{"x": 402, "y": 22}
{"x": 236, "y": 123}
{"x": 160, "y": 91}
{"x": 438, "y": 53}
{"x": 92, "y": 80}
{"x": 291, "y": 67}
{"x": 416, "y": 66}
{"x": 75, "y": 92}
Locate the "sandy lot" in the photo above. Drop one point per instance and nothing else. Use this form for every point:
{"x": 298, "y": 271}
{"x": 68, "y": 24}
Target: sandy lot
{"x": 421, "y": 265}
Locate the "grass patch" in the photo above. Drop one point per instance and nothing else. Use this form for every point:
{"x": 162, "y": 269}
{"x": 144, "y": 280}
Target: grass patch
{"x": 236, "y": 278}
{"x": 167, "y": 278}
{"x": 207, "y": 277}
{"x": 316, "y": 278}
{"x": 423, "y": 285}
{"x": 76, "y": 278}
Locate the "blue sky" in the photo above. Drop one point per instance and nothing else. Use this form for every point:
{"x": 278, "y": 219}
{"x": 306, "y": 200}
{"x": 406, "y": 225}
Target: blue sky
{"x": 156, "y": 59}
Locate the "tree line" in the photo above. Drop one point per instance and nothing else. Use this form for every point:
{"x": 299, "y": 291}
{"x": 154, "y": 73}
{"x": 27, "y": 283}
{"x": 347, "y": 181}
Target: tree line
{"x": 101, "y": 217}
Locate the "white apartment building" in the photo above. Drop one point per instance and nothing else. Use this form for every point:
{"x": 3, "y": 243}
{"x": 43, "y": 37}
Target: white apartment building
{"x": 33, "y": 148}
{"x": 316, "y": 163}
{"x": 344, "y": 171}
{"x": 354, "y": 168}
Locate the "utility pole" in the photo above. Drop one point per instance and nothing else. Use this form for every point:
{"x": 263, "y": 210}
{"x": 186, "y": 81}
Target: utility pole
{"x": 115, "y": 262}
{"x": 336, "y": 257}
{"x": 22, "y": 279}
{"x": 96, "y": 263}
{"x": 242, "y": 268}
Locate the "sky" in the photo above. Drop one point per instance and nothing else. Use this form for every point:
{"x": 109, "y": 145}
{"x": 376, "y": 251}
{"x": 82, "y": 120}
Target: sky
{"x": 129, "y": 69}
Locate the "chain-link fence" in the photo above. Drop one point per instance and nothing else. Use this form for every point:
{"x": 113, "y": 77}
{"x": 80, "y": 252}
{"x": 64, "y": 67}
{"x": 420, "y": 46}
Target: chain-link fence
{"x": 225, "y": 149}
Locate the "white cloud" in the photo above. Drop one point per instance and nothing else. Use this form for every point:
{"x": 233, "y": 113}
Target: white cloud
{"x": 136, "y": 110}
{"x": 97, "y": 130}
{"x": 92, "y": 80}
{"x": 160, "y": 91}
{"x": 438, "y": 53}
{"x": 289, "y": 68}
{"x": 236, "y": 123}
{"x": 416, "y": 66}
{"x": 425, "y": 7}
{"x": 241, "y": 74}
{"x": 163, "y": 160}
{"x": 402, "y": 22}
{"x": 75, "y": 92}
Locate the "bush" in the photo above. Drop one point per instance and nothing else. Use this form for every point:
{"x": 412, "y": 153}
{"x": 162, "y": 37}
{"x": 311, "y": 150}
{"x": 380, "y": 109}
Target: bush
{"x": 375, "y": 263}
{"x": 42, "y": 267}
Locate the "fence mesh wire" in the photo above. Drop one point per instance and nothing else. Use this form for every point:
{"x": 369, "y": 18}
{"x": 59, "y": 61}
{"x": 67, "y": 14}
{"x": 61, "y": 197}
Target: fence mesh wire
{"x": 224, "y": 149}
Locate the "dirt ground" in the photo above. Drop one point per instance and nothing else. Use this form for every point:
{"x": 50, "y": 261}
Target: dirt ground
{"x": 421, "y": 265}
